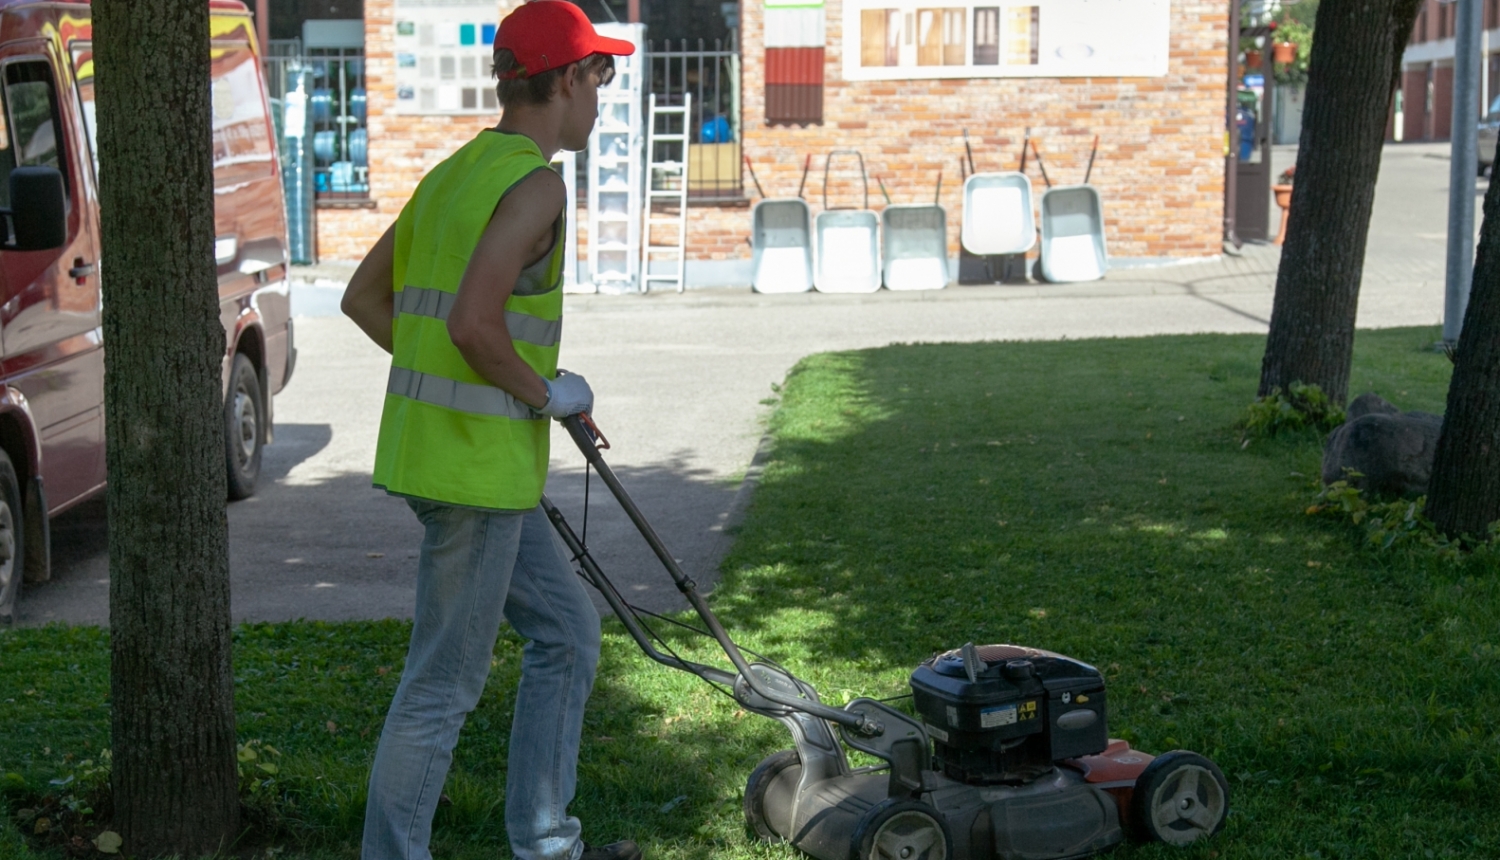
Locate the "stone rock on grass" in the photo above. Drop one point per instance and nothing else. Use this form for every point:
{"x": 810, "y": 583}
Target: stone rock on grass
{"x": 1392, "y": 449}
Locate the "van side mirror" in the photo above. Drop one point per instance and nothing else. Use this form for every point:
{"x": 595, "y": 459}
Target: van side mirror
{"x": 37, "y": 217}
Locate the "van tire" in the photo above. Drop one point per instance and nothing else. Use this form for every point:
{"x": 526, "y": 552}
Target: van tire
{"x": 244, "y": 428}
{"x": 12, "y": 539}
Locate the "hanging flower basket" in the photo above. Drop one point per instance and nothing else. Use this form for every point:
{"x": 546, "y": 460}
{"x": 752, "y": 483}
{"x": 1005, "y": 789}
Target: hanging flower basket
{"x": 1284, "y": 52}
{"x": 1252, "y": 59}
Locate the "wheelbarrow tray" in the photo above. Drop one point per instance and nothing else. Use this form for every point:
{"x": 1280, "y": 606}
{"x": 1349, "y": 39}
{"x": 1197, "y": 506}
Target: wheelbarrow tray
{"x": 1072, "y": 235}
{"x": 998, "y": 215}
{"x": 848, "y": 251}
{"x": 915, "y": 240}
{"x": 781, "y": 246}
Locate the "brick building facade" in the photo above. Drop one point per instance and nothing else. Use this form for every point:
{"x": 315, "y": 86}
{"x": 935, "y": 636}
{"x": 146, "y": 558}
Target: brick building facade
{"x": 1160, "y": 161}
{"x": 1427, "y": 70}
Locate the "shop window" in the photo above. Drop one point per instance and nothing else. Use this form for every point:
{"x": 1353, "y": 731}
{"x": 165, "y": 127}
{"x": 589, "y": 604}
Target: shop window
{"x": 953, "y": 36}
{"x": 907, "y": 39}
{"x": 987, "y": 36}
{"x": 444, "y": 51}
{"x": 1021, "y": 31}
{"x": 340, "y": 139}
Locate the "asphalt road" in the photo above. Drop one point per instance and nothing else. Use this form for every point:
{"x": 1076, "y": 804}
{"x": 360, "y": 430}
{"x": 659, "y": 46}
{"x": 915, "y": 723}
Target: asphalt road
{"x": 680, "y": 381}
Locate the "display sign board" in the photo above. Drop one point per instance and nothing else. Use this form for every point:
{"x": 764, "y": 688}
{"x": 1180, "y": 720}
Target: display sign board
{"x": 444, "y": 55}
{"x": 913, "y": 39}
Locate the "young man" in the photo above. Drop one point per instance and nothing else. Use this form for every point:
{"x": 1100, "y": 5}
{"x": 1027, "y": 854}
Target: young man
{"x": 465, "y": 291}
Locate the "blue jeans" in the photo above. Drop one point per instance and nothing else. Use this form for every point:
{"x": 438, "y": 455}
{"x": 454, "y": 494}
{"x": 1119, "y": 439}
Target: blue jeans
{"x": 475, "y": 567}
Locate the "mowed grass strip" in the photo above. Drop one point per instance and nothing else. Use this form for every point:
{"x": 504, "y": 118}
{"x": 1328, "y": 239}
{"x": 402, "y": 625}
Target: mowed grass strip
{"x": 1086, "y": 497}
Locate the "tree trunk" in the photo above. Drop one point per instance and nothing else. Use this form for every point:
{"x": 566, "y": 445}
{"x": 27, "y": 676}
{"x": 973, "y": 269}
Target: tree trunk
{"x": 171, "y": 688}
{"x": 1356, "y": 58}
{"x": 1463, "y": 496}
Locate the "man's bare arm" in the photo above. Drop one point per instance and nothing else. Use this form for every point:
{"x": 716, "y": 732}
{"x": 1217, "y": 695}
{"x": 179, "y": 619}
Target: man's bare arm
{"x": 369, "y": 299}
{"x": 523, "y": 224}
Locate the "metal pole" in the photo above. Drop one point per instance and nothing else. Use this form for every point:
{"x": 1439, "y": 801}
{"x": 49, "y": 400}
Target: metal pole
{"x": 1232, "y": 129}
{"x": 1463, "y": 166}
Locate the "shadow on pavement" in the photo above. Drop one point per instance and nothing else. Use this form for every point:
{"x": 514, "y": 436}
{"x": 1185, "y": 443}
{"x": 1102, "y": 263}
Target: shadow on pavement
{"x": 335, "y": 548}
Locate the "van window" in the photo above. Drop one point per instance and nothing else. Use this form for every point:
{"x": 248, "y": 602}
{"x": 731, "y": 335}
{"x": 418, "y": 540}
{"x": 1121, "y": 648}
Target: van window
{"x": 31, "y": 121}
{"x": 83, "y": 78}
{"x": 242, "y": 137}
{"x": 241, "y": 140}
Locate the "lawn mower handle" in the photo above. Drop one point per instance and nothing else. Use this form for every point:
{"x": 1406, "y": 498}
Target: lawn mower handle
{"x": 583, "y": 437}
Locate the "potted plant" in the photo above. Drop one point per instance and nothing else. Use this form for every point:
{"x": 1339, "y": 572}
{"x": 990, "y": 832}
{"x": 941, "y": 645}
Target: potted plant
{"x": 1283, "y": 191}
{"x": 1284, "y": 52}
{"x": 1252, "y": 59}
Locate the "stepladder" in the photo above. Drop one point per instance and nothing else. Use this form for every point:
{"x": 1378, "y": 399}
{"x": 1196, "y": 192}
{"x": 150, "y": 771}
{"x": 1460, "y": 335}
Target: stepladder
{"x": 664, "y": 233}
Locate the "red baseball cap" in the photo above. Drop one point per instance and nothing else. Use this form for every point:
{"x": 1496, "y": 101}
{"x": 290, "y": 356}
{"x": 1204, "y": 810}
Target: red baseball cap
{"x": 549, "y": 34}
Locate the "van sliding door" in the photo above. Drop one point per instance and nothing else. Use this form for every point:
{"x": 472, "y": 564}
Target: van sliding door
{"x": 50, "y": 316}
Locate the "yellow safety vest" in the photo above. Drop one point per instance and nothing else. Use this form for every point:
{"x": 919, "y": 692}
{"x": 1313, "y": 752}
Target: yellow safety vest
{"x": 446, "y": 434}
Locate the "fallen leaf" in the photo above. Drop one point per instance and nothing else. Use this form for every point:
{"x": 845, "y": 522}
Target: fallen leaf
{"x": 374, "y": 555}
{"x": 42, "y": 825}
{"x": 332, "y": 727}
{"x": 383, "y": 670}
{"x": 673, "y": 804}
{"x": 108, "y": 842}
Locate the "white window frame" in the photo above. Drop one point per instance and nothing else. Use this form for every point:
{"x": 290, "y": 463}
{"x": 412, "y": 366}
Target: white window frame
{"x": 1077, "y": 39}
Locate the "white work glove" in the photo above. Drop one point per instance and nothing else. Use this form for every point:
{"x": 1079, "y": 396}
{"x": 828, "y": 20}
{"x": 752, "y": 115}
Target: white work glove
{"x": 568, "y": 394}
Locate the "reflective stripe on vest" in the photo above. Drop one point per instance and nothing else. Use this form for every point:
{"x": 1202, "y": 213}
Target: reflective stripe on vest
{"x": 426, "y": 302}
{"x": 462, "y": 396}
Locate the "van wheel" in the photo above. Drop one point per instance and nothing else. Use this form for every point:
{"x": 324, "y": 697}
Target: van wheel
{"x": 12, "y": 534}
{"x": 243, "y": 418}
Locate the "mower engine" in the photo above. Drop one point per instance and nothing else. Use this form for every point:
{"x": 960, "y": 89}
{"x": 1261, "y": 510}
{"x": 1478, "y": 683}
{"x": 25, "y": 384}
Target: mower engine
{"x": 1005, "y": 714}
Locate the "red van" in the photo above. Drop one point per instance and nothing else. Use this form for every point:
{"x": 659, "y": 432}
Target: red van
{"x": 51, "y": 346}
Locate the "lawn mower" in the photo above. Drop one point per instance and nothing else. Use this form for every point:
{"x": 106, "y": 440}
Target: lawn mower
{"x": 1008, "y": 756}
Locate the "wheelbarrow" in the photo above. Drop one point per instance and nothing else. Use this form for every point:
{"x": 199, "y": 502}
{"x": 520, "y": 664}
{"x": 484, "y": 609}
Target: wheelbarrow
{"x": 998, "y": 215}
{"x": 915, "y": 242}
{"x": 1072, "y": 235}
{"x": 1073, "y": 246}
{"x": 848, "y": 259}
{"x": 781, "y": 258}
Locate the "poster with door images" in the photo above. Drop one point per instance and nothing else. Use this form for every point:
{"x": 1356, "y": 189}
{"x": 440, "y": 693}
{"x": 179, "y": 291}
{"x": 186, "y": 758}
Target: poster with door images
{"x": 915, "y": 39}
{"x": 444, "y": 53}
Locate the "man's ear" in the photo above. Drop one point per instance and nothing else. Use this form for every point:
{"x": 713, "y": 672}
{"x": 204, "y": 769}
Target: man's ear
{"x": 567, "y": 81}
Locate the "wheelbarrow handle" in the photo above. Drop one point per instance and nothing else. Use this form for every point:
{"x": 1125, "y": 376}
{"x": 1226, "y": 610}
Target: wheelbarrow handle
{"x": 750, "y": 167}
{"x": 863, "y": 176}
{"x": 1040, "y": 166}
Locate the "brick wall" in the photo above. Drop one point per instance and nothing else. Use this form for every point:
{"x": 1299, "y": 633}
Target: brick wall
{"x": 1441, "y": 121}
{"x": 1414, "y": 104}
{"x": 402, "y": 147}
{"x": 1160, "y": 164}
{"x": 1161, "y": 158}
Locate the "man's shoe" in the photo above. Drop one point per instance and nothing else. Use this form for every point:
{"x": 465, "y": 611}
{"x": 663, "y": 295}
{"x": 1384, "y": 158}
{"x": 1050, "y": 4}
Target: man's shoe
{"x": 622, "y": 850}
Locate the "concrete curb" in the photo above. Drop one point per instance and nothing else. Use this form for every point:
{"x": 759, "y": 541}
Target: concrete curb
{"x": 733, "y": 518}
{"x": 740, "y": 506}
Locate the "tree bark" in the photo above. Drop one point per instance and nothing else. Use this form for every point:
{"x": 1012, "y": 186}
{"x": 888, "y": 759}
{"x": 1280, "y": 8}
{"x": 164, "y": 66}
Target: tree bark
{"x": 172, "y": 693}
{"x": 1463, "y": 496}
{"x": 1355, "y": 63}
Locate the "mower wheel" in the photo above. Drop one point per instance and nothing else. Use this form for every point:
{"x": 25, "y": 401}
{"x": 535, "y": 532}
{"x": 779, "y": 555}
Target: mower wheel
{"x": 1179, "y": 798}
{"x": 770, "y": 795}
{"x": 901, "y": 829}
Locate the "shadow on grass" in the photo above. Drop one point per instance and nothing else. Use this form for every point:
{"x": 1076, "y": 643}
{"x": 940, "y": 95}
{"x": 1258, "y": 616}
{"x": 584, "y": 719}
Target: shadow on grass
{"x": 1093, "y": 498}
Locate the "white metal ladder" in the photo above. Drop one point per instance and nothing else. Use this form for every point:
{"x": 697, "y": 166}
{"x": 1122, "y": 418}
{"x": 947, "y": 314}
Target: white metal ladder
{"x": 666, "y": 183}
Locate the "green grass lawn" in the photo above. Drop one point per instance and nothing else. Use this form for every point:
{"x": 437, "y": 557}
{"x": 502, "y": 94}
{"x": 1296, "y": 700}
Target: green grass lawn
{"x": 1088, "y": 497}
